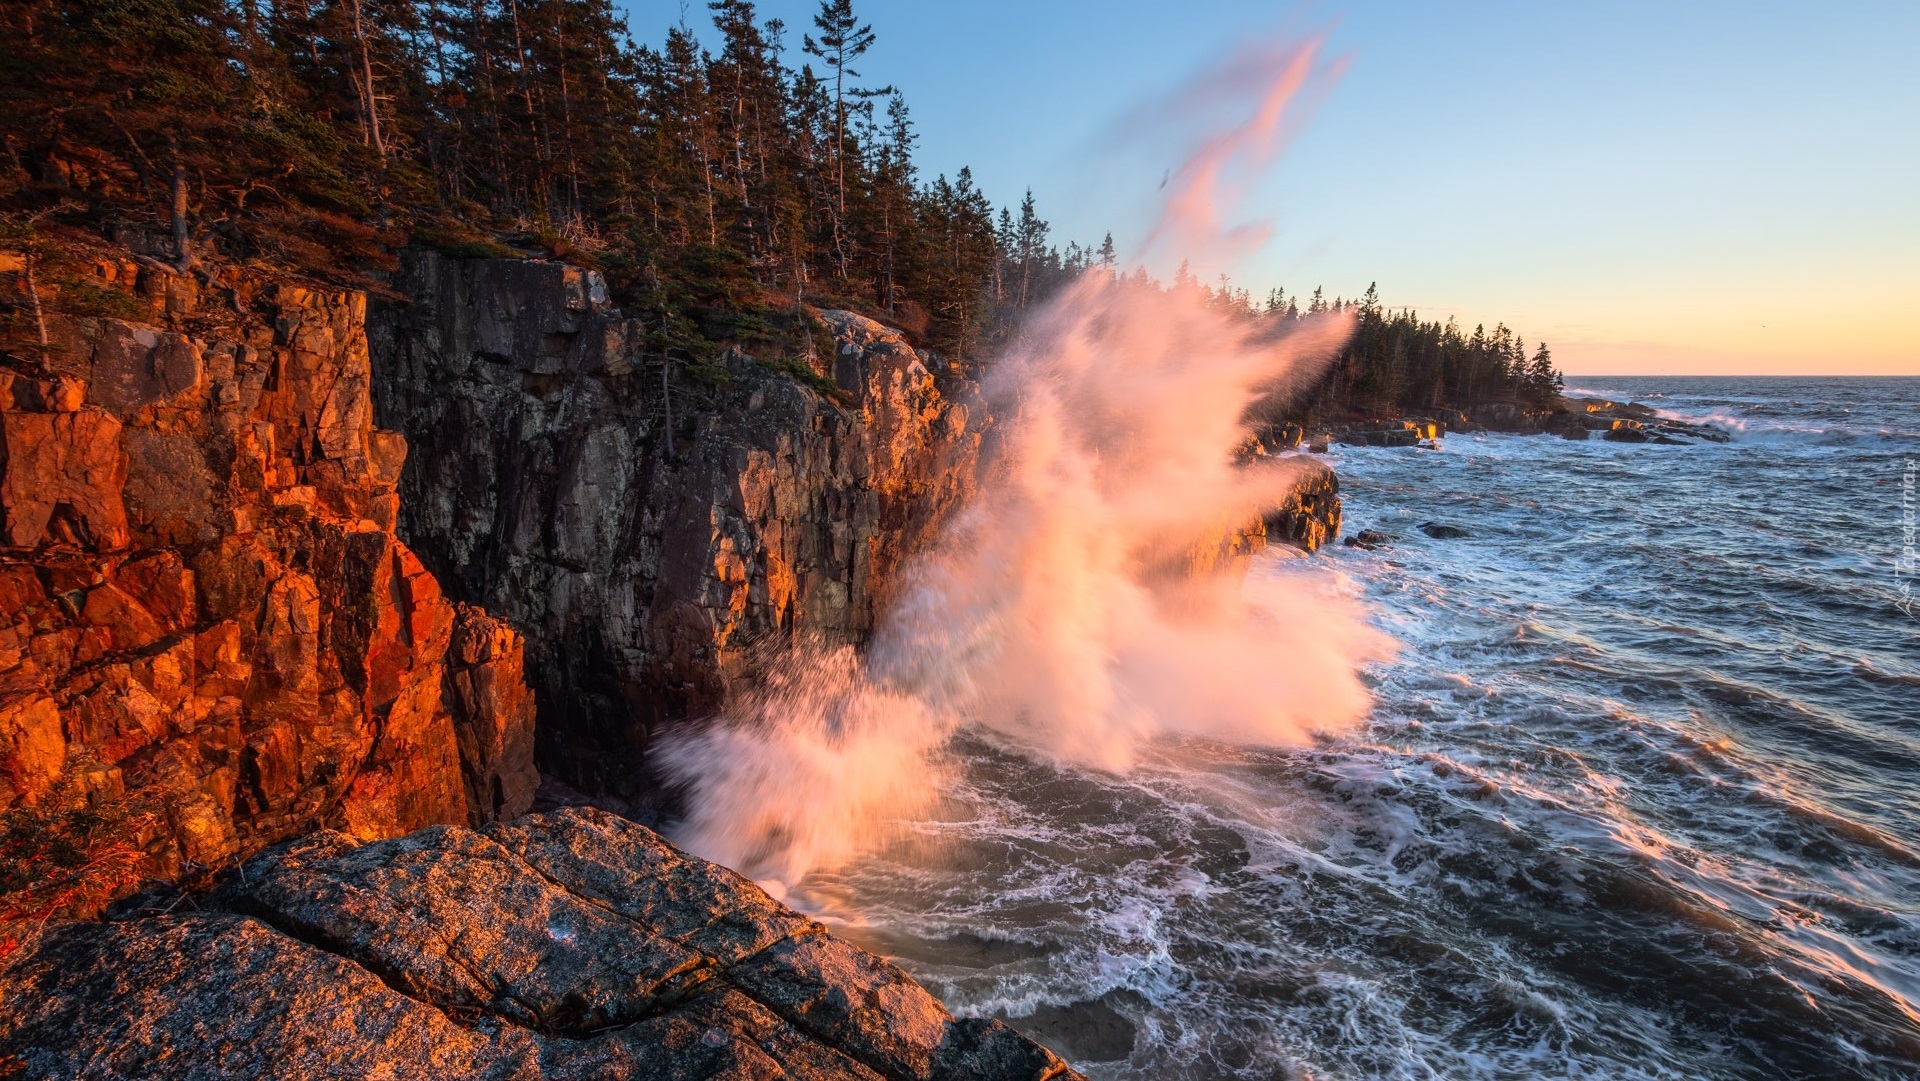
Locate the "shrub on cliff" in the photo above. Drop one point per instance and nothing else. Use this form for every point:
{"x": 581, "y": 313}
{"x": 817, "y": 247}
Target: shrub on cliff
{"x": 69, "y": 855}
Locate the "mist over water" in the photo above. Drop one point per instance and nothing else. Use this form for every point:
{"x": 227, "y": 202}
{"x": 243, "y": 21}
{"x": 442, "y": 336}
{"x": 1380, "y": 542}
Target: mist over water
{"x": 1054, "y": 612}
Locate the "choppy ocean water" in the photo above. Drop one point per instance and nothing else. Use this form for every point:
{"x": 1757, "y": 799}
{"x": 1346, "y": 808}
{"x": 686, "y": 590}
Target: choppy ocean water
{"x": 1639, "y": 798}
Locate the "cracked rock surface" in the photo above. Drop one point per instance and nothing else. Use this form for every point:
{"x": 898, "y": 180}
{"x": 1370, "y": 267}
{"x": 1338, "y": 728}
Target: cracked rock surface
{"x": 573, "y": 944}
{"x": 204, "y": 608}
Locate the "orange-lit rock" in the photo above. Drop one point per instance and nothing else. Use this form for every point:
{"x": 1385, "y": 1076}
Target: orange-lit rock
{"x": 63, "y": 480}
{"x": 203, "y": 605}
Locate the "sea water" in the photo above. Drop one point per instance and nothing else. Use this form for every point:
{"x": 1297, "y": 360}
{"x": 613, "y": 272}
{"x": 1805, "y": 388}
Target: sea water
{"x": 1638, "y": 797}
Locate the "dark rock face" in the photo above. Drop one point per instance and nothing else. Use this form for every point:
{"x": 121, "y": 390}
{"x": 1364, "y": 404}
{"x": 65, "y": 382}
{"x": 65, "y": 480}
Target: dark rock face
{"x": 204, "y": 609}
{"x": 566, "y": 945}
{"x": 645, "y": 567}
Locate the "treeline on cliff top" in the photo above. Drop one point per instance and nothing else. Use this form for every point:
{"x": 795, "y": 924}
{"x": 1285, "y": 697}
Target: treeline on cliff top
{"x": 719, "y": 190}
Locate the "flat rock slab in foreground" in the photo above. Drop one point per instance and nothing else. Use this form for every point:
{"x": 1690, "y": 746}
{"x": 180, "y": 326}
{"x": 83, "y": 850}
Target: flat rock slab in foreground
{"x": 569, "y": 945}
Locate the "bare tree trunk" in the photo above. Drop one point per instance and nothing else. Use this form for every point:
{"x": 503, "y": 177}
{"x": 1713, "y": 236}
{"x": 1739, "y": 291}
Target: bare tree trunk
{"x": 666, "y": 391}
{"x": 33, "y": 293}
{"x": 706, "y": 174}
{"x": 498, "y": 144}
{"x": 370, "y": 100}
{"x": 840, "y": 130}
{"x": 182, "y": 235}
{"x": 566, "y": 112}
{"x": 539, "y": 131}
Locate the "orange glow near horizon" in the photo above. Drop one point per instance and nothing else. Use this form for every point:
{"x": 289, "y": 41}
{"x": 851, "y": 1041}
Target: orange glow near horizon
{"x": 1859, "y": 325}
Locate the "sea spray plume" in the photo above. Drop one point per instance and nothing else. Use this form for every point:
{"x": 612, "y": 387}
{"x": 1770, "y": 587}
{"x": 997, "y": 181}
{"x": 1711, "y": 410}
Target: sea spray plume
{"x": 1048, "y": 612}
{"x": 1120, "y": 412}
{"x": 1264, "y": 80}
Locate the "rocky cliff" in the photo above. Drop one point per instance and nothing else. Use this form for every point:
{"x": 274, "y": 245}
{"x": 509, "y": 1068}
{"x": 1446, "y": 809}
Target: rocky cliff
{"x": 205, "y": 614}
{"x": 651, "y": 530}
{"x": 572, "y": 945}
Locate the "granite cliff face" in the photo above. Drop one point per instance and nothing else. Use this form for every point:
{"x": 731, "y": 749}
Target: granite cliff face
{"x": 571, "y": 945}
{"x": 204, "y": 609}
{"x": 648, "y": 549}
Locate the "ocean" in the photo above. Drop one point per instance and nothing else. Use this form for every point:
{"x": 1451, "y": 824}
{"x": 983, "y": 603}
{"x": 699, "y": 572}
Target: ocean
{"x": 1639, "y": 796}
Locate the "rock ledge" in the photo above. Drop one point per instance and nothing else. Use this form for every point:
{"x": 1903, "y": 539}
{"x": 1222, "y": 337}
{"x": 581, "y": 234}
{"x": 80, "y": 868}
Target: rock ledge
{"x": 572, "y": 945}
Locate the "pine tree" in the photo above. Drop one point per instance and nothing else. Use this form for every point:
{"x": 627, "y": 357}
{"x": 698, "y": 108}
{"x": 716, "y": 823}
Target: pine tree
{"x": 843, "y": 40}
{"x": 1030, "y": 242}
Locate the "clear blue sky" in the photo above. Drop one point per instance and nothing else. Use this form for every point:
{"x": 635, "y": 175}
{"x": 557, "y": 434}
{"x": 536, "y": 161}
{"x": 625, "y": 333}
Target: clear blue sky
{"x": 1704, "y": 186}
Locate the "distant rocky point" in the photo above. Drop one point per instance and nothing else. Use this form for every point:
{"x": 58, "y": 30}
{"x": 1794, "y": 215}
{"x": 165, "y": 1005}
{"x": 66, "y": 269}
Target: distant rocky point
{"x": 1568, "y": 417}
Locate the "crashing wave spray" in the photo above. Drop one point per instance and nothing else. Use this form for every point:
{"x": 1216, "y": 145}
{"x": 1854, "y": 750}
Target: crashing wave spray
{"x": 1048, "y": 612}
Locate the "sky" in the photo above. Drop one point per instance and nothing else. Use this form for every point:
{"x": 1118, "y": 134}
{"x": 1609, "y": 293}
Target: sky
{"x": 1692, "y": 186}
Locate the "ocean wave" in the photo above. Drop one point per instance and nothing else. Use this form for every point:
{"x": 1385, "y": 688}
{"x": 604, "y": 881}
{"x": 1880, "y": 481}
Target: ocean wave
{"x": 1634, "y": 800}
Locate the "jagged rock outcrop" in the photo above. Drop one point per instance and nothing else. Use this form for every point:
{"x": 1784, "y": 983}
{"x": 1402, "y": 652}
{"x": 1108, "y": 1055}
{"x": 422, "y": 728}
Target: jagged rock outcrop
{"x": 204, "y": 610}
{"x": 647, "y": 549}
{"x": 561, "y": 946}
{"x": 1310, "y": 518}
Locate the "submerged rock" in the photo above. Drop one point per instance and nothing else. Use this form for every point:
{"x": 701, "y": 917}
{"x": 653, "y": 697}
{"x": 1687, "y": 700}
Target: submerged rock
{"x": 566, "y": 945}
{"x": 1441, "y": 531}
{"x": 1369, "y": 539}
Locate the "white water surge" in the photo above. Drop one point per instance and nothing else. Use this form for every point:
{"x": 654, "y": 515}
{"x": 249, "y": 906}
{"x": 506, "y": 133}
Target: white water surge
{"x": 1047, "y": 613}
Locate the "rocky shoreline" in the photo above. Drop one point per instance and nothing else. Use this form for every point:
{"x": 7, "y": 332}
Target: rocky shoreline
{"x": 301, "y": 596}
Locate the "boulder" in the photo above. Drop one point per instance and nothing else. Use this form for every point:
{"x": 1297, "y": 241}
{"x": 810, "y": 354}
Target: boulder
{"x": 1369, "y": 539}
{"x": 565, "y": 945}
{"x": 1441, "y": 531}
{"x": 1311, "y": 515}
{"x": 62, "y": 474}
